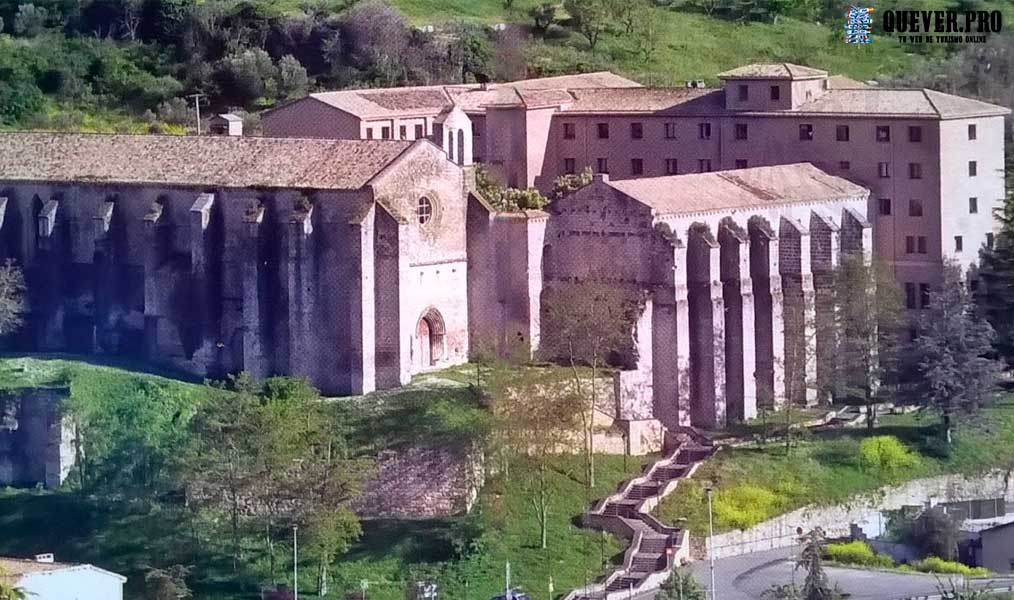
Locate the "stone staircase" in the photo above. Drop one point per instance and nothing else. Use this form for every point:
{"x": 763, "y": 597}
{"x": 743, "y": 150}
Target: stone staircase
{"x": 655, "y": 549}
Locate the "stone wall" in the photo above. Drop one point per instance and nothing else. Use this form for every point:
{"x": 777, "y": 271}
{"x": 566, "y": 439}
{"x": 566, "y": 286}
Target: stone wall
{"x": 36, "y": 443}
{"x": 423, "y": 482}
{"x": 836, "y": 521}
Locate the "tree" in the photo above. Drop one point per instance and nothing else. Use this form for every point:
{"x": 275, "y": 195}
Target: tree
{"x": 996, "y": 274}
{"x": 31, "y": 20}
{"x": 543, "y": 15}
{"x": 816, "y": 585}
{"x": 682, "y": 585}
{"x": 167, "y": 584}
{"x": 247, "y": 76}
{"x": 12, "y": 298}
{"x": 292, "y": 79}
{"x": 591, "y": 18}
{"x": 934, "y": 532}
{"x": 584, "y": 325}
{"x": 867, "y": 327}
{"x": 956, "y": 374}
{"x": 537, "y": 417}
{"x": 376, "y": 36}
{"x": 644, "y": 21}
{"x": 472, "y": 51}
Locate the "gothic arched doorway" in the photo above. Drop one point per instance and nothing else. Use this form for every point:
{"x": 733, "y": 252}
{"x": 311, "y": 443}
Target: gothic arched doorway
{"x": 428, "y": 342}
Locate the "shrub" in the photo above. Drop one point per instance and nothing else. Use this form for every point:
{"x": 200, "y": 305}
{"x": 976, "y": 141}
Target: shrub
{"x": 745, "y": 505}
{"x": 858, "y": 553}
{"x": 887, "y": 454}
{"x": 934, "y": 564}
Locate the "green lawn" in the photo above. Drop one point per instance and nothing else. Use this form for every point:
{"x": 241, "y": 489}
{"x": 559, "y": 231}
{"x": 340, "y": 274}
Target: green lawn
{"x": 756, "y": 483}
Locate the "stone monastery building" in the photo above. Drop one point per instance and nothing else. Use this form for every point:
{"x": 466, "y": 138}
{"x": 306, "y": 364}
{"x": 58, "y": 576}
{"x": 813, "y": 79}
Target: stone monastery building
{"x": 350, "y": 246}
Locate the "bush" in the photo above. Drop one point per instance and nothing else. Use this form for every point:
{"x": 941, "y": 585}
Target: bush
{"x": 858, "y": 553}
{"x": 887, "y": 454}
{"x": 745, "y": 505}
{"x": 934, "y": 564}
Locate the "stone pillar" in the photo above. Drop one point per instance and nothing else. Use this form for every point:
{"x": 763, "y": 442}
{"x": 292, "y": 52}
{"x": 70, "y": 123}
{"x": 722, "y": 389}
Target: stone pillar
{"x": 105, "y": 283}
{"x": 737, "y": 294}
{"x": 800, "y": 317}
{"x": 633, "y": 388}
{"x": 202, "y": 261}
{"x": 255, "y": 359}
{"x": 535, "y": 229}
{"x": 300, "y": 269}
{"x": 707, "y": 329}
{"x": 3, "y": 211}
{"x": 823, "y": 262}
{"x": 155, "y": 250}
{"x": 362, "y": 306}
{"x": 47, "y": 224}
{"x": 856, "y": 235}
{"x": 769, "y": 324}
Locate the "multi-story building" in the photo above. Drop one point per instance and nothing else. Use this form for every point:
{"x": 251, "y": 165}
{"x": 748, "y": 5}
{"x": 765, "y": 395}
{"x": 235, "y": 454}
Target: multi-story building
{"x": 932, "y": 161}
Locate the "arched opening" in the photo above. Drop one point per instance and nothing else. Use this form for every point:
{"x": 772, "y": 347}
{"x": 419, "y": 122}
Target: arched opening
{"x": 459, "y": 153}
{"x": 428, "y": 343}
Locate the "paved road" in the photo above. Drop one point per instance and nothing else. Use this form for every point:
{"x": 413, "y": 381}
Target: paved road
{"x": 746, "y": 577}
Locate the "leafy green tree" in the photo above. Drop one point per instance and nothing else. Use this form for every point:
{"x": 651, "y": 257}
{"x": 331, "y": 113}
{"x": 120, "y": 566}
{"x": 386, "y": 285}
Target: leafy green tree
{"x": 868, "y": 324}
{"x": 167, "y": 584}
{"x": 934, "y": 532}
{"x": 543, "y": 15}
{"x": 12, "y": 298}
{"x": 682, "y": 585}
{"x": 996, "y": 274}
{"x": 9, "y": 590}
{"x": 591, "y": 18}
{"x": 292, "y": 79}
{"x": 956, "y": 374}
{"x": 31, "y": 20}
{"x": 247, "y": 76}
{"x": 19, "y": 96}
{"x": 473, "y": 52}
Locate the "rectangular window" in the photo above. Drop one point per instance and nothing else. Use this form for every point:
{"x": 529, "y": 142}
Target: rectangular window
{"x": 569, "y": 131}
{"x": 973, "y": 168}
{"x": 420, "y": 132}
{"x": 603, "y": 131}
{"x": 972, "y": 133}
{"x": 741, "y": 163}
{"x": 909, "y": 244}
{"x": 636, "y": 131}
{"x": 842, "y": 133}
{"x": 671, "y": 167}
{"x": 884, "y": 170}
{"x": 670, "y": 131}
{"x": 844, "y": 165}
{"x": 924, "y": 295}
{"x": 704, "y": 165}
{"x": 989, "y": 240}
{"x": 914, "y": 134}
{"x": 806, "y": 132}
{"x": 922, "y": 244}
{"x": 915, "y": 208}
{"x": 883, "y": 133}
{"x": 744, "y": 93}
{"x": 636, "y": 166}
{"x": 910, "y": 296}
{"x": 959, "y": 243}
{"x": 369, "y": 134}
{"x": 915, "y": 170}
{"x": 741, "y": 131}
{"x": 602, "y": 165}
{"x": 776, "y": 92}
{"x": 704, "y": 131}
{"x": 385, "y": 133}
{"x": 973, "y": 206}
{"x": 402, "y": 132}
{"x": 885, "y": 206}
{"x": 569, "y": 166}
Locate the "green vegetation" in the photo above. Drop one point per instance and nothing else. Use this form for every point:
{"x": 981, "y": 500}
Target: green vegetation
{"x": 887, "y": 454}
{"x": 857, "y": 553}
{"x": 753, "y": 484}
{"x": 947, "y": 567}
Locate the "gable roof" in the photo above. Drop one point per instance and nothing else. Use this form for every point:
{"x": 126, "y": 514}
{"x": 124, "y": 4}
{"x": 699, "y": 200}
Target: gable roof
{"x": 782, "y": 70}
{"x": 225, "y": 161}
{"x": 16, "y": 568}
{"x": 740, "y": 188}
{"x": 624, "y": 100}
{"x": 899, "y": 102}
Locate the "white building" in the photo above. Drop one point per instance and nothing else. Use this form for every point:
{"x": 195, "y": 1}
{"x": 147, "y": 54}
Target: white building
{"x": 43, "y": 579}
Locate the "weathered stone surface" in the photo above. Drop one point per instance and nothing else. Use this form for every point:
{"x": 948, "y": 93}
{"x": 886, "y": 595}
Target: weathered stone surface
{"x": 36, "y": 441}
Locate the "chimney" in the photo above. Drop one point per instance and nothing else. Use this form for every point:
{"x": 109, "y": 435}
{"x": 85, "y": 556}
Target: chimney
{"x": 44, "y": 558}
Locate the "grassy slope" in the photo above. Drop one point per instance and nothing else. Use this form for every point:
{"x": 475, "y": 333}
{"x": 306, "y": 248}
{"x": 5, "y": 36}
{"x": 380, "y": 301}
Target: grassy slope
{"x": 754, "y": 484}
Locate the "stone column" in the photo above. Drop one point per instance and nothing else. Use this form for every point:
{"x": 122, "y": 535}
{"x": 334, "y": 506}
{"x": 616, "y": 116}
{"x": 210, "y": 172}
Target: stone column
{"x": 800, "y": 317}
{"x": 300, "y": 285}
{"x": 255, "y": 360}
{"x": 535, "y": 228}
{"x": 105, "y": 284}
{"x": 823, "y": 262}
{"x": 362, "y": 307}
{"x": 769, "y": 324}
{"x": 707, "y": 328}
{"x": 669, "y": 333}
{"x": 737, "y": 293}
{"x": 155, "y": 251}
{"x": 202, "y": 259}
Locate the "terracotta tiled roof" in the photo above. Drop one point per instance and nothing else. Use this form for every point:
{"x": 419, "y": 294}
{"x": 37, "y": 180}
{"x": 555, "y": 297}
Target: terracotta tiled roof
{"x": 195, "y": 161}
{"x": 644, "y": 99}
{"x": 772, "y": 71}
{"x": 599, "y": 79}
{"x": 741, "y": 188}
{"x": 16, "y": 567}
{"x": 899, "y": 102}
{"x": 840, "y": 82}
